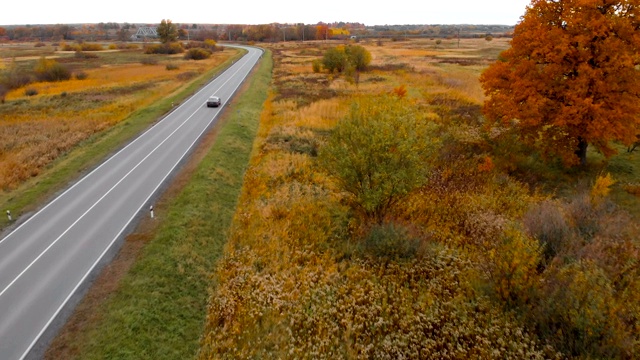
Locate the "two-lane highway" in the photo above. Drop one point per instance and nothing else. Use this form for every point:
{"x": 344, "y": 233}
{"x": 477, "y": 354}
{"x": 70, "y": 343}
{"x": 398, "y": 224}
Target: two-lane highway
{"x": 46, "y": 259}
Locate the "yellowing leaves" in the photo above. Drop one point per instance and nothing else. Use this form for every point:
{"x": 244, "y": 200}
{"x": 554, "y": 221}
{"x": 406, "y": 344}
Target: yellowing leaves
{"x": 561, "y": 73}
{"x": 602, "y": 187}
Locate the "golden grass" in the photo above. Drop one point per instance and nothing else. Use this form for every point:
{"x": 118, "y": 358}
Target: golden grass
{"x": 282, "y": 290}
{"x": 36, "y": 130}
{"x": 295, "y": 281}
{"x": 321, "y": 115}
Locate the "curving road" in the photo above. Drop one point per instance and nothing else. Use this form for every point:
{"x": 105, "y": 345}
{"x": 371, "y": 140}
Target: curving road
{"x": 48, "y": 258}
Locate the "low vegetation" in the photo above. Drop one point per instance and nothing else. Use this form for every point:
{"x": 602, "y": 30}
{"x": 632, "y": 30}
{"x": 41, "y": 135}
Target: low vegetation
{"x": 380, "y": 217}
{"x": 484, "y": 251}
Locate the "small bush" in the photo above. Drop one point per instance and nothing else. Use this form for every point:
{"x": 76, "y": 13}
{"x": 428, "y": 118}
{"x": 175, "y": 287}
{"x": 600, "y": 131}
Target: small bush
{"x": 14, "y": 78}
{"x": 70, "y": 47}
{"x": 81, "y": 75}
{"x": 125, "y": 46}
{"x": 83, "y": 55}
{"x": 316, "y": 65}
{"x": 152, "y": 49}
{"x": 577, "y": 314}
{"x": 211, "y": 44}
{"x": 149, "y": 61}
{"x": 90, "y": 47}
{"x": 545, "y": 222}
{"x": 172, "y": 67}
{"x": 584, "y": 215}
{"x": 169, "y": 49}
{"x": 391, "y": 241}
{"x": 3, "y": 93}
{"x": 30, "y": 92}
{"x": 512, "y": 267}
{"x": 293, "y": 142}
{"x": 39, "y": 44}
{"x": 197, "y": 54}
{"x": 186, "y": 75}
{"x": 51, "y": 70}
{"x": 113, "y": 47}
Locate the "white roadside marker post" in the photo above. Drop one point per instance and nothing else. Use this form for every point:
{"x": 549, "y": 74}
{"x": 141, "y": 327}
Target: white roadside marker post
{"x": 9, "y": 215}
{"x": 151, "y": 211}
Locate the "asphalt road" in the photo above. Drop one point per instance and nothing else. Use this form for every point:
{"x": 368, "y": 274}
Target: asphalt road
{"x": 49, "y": 257}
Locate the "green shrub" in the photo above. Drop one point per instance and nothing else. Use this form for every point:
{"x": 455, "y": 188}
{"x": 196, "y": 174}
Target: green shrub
{"x": 379, "y": 153}
{"x": 576, "y": 313}
{"x": 391, "y": 241}
{"x": 335, "y": 59}
{"x": 172, "y": 67}
{"x": 13, "y": 77}
{"x": 30, "y": 92}
{"x": 51, "y": 70}
{"x": 197, "y": 54}
{"x": 316, "y": 65}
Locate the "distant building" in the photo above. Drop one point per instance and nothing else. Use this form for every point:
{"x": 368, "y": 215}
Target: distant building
{"x": 145, "y": 33}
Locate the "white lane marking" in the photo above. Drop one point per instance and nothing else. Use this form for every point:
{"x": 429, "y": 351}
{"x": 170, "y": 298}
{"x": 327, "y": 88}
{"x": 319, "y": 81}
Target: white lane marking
{"x": 94, "y": 205}
{"x": 35, "y": 340}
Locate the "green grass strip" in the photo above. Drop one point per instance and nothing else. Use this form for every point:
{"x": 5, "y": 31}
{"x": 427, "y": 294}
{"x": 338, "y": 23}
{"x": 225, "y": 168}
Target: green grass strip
{"x": 159, "y": 309}
{"x": 94, "y": 150}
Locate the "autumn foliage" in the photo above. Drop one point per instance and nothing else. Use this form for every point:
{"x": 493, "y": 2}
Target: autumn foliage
{"x": 386, "y": 227}
{"x": 570, "y": 77}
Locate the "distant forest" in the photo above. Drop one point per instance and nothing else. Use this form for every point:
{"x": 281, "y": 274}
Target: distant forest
{"x": 263, "y": 33}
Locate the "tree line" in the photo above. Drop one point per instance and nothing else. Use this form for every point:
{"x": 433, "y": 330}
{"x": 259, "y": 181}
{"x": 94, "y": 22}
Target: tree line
{"x": 260, "y": 33}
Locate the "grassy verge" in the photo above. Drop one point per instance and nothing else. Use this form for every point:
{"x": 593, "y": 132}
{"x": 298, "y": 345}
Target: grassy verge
{"x": 159, "y": 309}
{"x": 29, "y": 195}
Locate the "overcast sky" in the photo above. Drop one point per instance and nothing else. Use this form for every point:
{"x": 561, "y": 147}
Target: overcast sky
{"x": 380, "y": 12}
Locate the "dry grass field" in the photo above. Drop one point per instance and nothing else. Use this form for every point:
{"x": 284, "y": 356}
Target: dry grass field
{"x": 35, "y": 130}
{"x": 496, "y": 255}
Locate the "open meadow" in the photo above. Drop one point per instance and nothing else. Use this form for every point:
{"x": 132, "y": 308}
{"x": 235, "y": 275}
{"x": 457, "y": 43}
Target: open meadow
{"x": 491, "y": 253}
{"x": 107, "y": 97}
{"x": 379, "y": 217}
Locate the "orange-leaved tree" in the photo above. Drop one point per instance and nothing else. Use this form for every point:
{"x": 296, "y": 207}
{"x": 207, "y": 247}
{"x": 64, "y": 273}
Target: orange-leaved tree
{"x": 570, "y": 77}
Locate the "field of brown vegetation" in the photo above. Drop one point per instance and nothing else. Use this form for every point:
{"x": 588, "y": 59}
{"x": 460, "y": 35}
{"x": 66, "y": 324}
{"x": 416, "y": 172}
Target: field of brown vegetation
{"x": 43, "y": 120}
{"x": 487, "y": 253}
